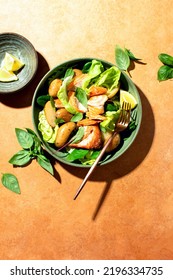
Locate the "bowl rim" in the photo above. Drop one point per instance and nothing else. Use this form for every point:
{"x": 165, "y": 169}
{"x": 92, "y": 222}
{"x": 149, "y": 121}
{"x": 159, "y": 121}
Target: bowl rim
{"x": 19, "y": 36}
{"x": 43, "y": 80}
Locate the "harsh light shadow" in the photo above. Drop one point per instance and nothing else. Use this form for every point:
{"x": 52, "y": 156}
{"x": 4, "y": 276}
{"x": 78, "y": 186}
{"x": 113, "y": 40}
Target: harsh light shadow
{"x": 130, "y": 160}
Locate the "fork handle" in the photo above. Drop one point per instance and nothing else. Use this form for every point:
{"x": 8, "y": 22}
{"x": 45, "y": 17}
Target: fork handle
{"x": 94, "y": 165}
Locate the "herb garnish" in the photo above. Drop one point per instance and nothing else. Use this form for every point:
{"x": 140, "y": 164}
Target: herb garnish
{"x": 10, "y": 182}
{"x": 32, "y": 149}
{"x": 165, "y": 72}
{"x": 123, "y": 58}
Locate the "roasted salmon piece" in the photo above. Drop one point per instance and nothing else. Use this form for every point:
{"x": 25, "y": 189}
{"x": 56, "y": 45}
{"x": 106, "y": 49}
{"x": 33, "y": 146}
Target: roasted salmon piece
{"x": 95, "y": 113}
{"x": 95, "y": 90}
{"x": 95, "y": 110}
{"x": 92, "y": 138}
{"x": 87, "y": 122}
{"x": 76, "y": 82}
{"x": 98, "y": 100}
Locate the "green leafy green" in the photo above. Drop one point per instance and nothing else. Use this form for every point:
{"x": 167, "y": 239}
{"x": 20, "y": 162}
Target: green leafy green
{"x": 131, "y": 55}
{"x": 109, "y": 78}
{"x": 41, "y": 100}
{"x": 10, "y": 182}
{"x": 21, "y": 158}
{"x": 166, "y": 59}
{"x": 86, "y": 67}
{"x": 45, "y": 163}
{"x": 24, "y": 138}
{"x": 78, "y": 136}
{"x": 63, "y": 97}
{"x": 77, "y": 117}
{"x": 29, "y": 151}
{"x": 165, "y": 72}
{"x": 81, "y": 96}
{"x": 121, "y": 58}
{"x": 95, "y": 70}
{"x": 76, "y": 154}
{"x": 69, "y": 73}
{"x": 110, "y": 122}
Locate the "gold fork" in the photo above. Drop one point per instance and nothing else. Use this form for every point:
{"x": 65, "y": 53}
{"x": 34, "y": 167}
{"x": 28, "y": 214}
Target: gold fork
{"x": 122, "y": 124}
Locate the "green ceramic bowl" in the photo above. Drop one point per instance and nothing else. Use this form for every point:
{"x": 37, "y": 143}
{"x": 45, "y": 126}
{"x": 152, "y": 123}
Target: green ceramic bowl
{"x": 21, "y": 48}
{"x": 126, "y": 84}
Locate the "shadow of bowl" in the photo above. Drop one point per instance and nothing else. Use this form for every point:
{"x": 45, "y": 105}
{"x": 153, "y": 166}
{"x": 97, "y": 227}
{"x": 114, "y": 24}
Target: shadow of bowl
{"x": 129, "y": 161}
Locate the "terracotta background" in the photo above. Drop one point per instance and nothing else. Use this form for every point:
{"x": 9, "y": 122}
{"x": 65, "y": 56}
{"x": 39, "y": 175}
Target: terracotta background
{"x": 126, "y": 210}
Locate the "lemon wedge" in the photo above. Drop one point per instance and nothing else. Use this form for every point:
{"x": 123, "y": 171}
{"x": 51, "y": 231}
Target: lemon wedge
{"x": 11, "y": 63}
{"x": 126, "y": 96}
{"x": 7, "y": 76}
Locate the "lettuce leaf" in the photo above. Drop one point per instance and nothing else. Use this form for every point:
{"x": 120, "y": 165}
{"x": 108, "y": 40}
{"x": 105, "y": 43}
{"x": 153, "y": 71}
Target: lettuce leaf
{"x": 48, "y": 133}
{"x": 110, "y": 122}
{"x": 63, "y": 97}
{"x": 95, "y": 70}
{"x": 109, "y": 78}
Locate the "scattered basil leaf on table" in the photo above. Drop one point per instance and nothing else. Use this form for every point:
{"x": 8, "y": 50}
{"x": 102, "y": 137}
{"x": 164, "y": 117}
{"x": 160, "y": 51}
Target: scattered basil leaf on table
{"x": 165, "y": 72}
{"x": 21, "y": 158}
{"x": 121, "y": 58}
{"x": 166, "y": 59}
{"x": 45, "y": 163}
{"x": 32, "y": 149}
{"x": 10, "y": 182}
{"x": 24, "y": 138}
{"x": 131, "y": 55}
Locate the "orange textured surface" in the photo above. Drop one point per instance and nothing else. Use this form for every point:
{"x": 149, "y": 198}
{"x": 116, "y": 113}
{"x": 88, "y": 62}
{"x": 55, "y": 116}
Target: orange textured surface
{"x": 126, "y": 209}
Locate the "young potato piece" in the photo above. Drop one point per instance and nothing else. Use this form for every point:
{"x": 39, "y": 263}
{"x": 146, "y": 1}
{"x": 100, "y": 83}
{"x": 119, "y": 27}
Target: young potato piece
{"x": 63, "y": 114}
{"x": 50, "y": 114}
{"x": 54, "y": 87}
{"x": 114, "y": 143}
{"x": 63, "y": 133}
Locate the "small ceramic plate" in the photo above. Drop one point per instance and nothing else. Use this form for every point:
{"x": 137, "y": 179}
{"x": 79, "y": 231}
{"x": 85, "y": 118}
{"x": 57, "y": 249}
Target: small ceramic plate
{"x": 21, "y": 48}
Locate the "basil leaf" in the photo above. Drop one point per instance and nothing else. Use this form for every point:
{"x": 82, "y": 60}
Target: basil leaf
{"x": 41, "y": 100}
{"x": 77, "y": 117}
{"x": 69, "y": 72}
{"x": 30, "y": 131}
{"x": 131, "y": 55}
{"x": 81, "y": 96}
{"x": 45, "y": 163}
{"x": 164, "y": 73}
{"x": 121, "y": 58}
{"x": 166, "y": 59}
{"x": 79, "y": 135}
{"x": 59, "y": 120}
{"x": 24, "y": 138}
{"x": 21, "y": 158}
{"x": 10, "y": 182}
{"x": 37, "y": 143}
{"x": 76, "y": 154}
{"x": 86, "y": 67}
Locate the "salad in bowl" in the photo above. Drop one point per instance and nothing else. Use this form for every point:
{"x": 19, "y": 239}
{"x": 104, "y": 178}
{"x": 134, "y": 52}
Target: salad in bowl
{"x": 76, "y": 107}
